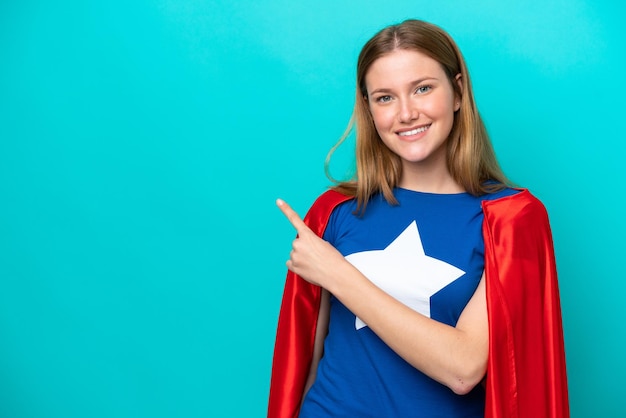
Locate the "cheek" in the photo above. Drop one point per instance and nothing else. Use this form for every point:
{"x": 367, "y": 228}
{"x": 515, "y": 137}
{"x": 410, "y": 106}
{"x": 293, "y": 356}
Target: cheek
{"x": 439, "y": 108}
{"x": 383, "y": 119}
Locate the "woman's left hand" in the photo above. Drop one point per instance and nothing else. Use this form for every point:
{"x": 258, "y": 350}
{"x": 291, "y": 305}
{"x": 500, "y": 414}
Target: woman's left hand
{"x": 312, "y": 258}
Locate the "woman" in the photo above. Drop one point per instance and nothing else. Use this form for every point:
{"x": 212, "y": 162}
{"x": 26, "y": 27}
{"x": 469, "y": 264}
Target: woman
{"x": 432, "y": 273}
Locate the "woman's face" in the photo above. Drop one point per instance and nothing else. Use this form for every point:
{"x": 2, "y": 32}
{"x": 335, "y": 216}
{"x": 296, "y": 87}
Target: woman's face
{"x": 412, "y": 103}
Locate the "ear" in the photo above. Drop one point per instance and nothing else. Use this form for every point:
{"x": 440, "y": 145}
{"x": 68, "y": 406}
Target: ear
{"x": 457, "y": 98}
{"x": 366, "y": 102}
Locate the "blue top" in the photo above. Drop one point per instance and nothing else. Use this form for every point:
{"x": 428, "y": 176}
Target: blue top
{"x": 427, "y": 252}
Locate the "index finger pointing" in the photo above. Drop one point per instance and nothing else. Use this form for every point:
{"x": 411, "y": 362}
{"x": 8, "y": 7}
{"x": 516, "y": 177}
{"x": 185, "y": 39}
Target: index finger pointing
{"x": 292, "y": 216}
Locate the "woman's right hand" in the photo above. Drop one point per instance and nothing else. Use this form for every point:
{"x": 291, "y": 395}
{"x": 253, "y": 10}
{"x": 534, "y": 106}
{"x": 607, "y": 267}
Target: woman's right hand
{"x": 312, "y": 258}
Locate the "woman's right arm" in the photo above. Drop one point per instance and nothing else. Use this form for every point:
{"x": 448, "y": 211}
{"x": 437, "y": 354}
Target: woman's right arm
{"x": 320, "y": 335}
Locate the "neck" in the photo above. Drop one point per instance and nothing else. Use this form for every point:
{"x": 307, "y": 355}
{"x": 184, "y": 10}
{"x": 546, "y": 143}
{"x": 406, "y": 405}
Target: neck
{"x": 429, "y": 179}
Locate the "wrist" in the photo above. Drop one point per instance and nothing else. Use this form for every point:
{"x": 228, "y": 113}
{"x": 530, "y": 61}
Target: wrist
{"x": 342, "y": 276}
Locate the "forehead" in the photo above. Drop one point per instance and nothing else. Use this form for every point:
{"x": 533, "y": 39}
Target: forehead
{"x": 402, "y": 66}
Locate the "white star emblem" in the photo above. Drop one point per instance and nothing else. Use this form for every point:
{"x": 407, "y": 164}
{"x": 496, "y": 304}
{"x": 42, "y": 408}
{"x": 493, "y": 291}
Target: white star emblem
{"x": 403, "y": 271}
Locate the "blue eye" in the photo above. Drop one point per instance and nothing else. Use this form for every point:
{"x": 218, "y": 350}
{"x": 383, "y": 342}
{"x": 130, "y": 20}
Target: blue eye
{"x": 383, "y": 99}
{"x": 423, "y": 89}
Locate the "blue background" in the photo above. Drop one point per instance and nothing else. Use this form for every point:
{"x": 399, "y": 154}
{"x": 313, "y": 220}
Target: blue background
{"x": 142, "y": 145}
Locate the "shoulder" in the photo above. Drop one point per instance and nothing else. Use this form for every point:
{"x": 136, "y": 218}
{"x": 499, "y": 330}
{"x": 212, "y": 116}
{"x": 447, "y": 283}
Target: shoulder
{"x": 329, "y": 200}
{"x": 322, "y": 208}
{"x": 521, "y": 207}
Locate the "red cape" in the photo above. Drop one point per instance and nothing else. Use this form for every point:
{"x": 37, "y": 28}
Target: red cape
{"x": 526, "y": 368}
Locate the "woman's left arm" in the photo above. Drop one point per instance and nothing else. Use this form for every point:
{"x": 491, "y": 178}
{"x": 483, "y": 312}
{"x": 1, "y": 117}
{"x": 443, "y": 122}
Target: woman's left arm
{"x": 454, "y": 356}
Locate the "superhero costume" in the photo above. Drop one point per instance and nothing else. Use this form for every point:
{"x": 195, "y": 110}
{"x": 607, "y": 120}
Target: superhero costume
{"x": 526, "y": 367}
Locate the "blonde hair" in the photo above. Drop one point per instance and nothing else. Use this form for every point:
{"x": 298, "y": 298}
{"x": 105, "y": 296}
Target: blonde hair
{"x": 470, "y": 156}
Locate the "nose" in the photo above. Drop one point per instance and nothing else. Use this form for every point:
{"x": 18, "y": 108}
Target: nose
{"x": 408, "y": 111}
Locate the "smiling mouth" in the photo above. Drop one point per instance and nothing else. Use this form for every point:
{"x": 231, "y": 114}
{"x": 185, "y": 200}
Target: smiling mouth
{"x": 414, "y": 131}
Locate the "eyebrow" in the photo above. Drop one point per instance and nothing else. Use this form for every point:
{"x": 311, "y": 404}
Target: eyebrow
{"x": 413, "y": 83}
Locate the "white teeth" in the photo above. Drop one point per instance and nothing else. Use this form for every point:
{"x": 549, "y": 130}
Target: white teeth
{"x": 414, "y": 131}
